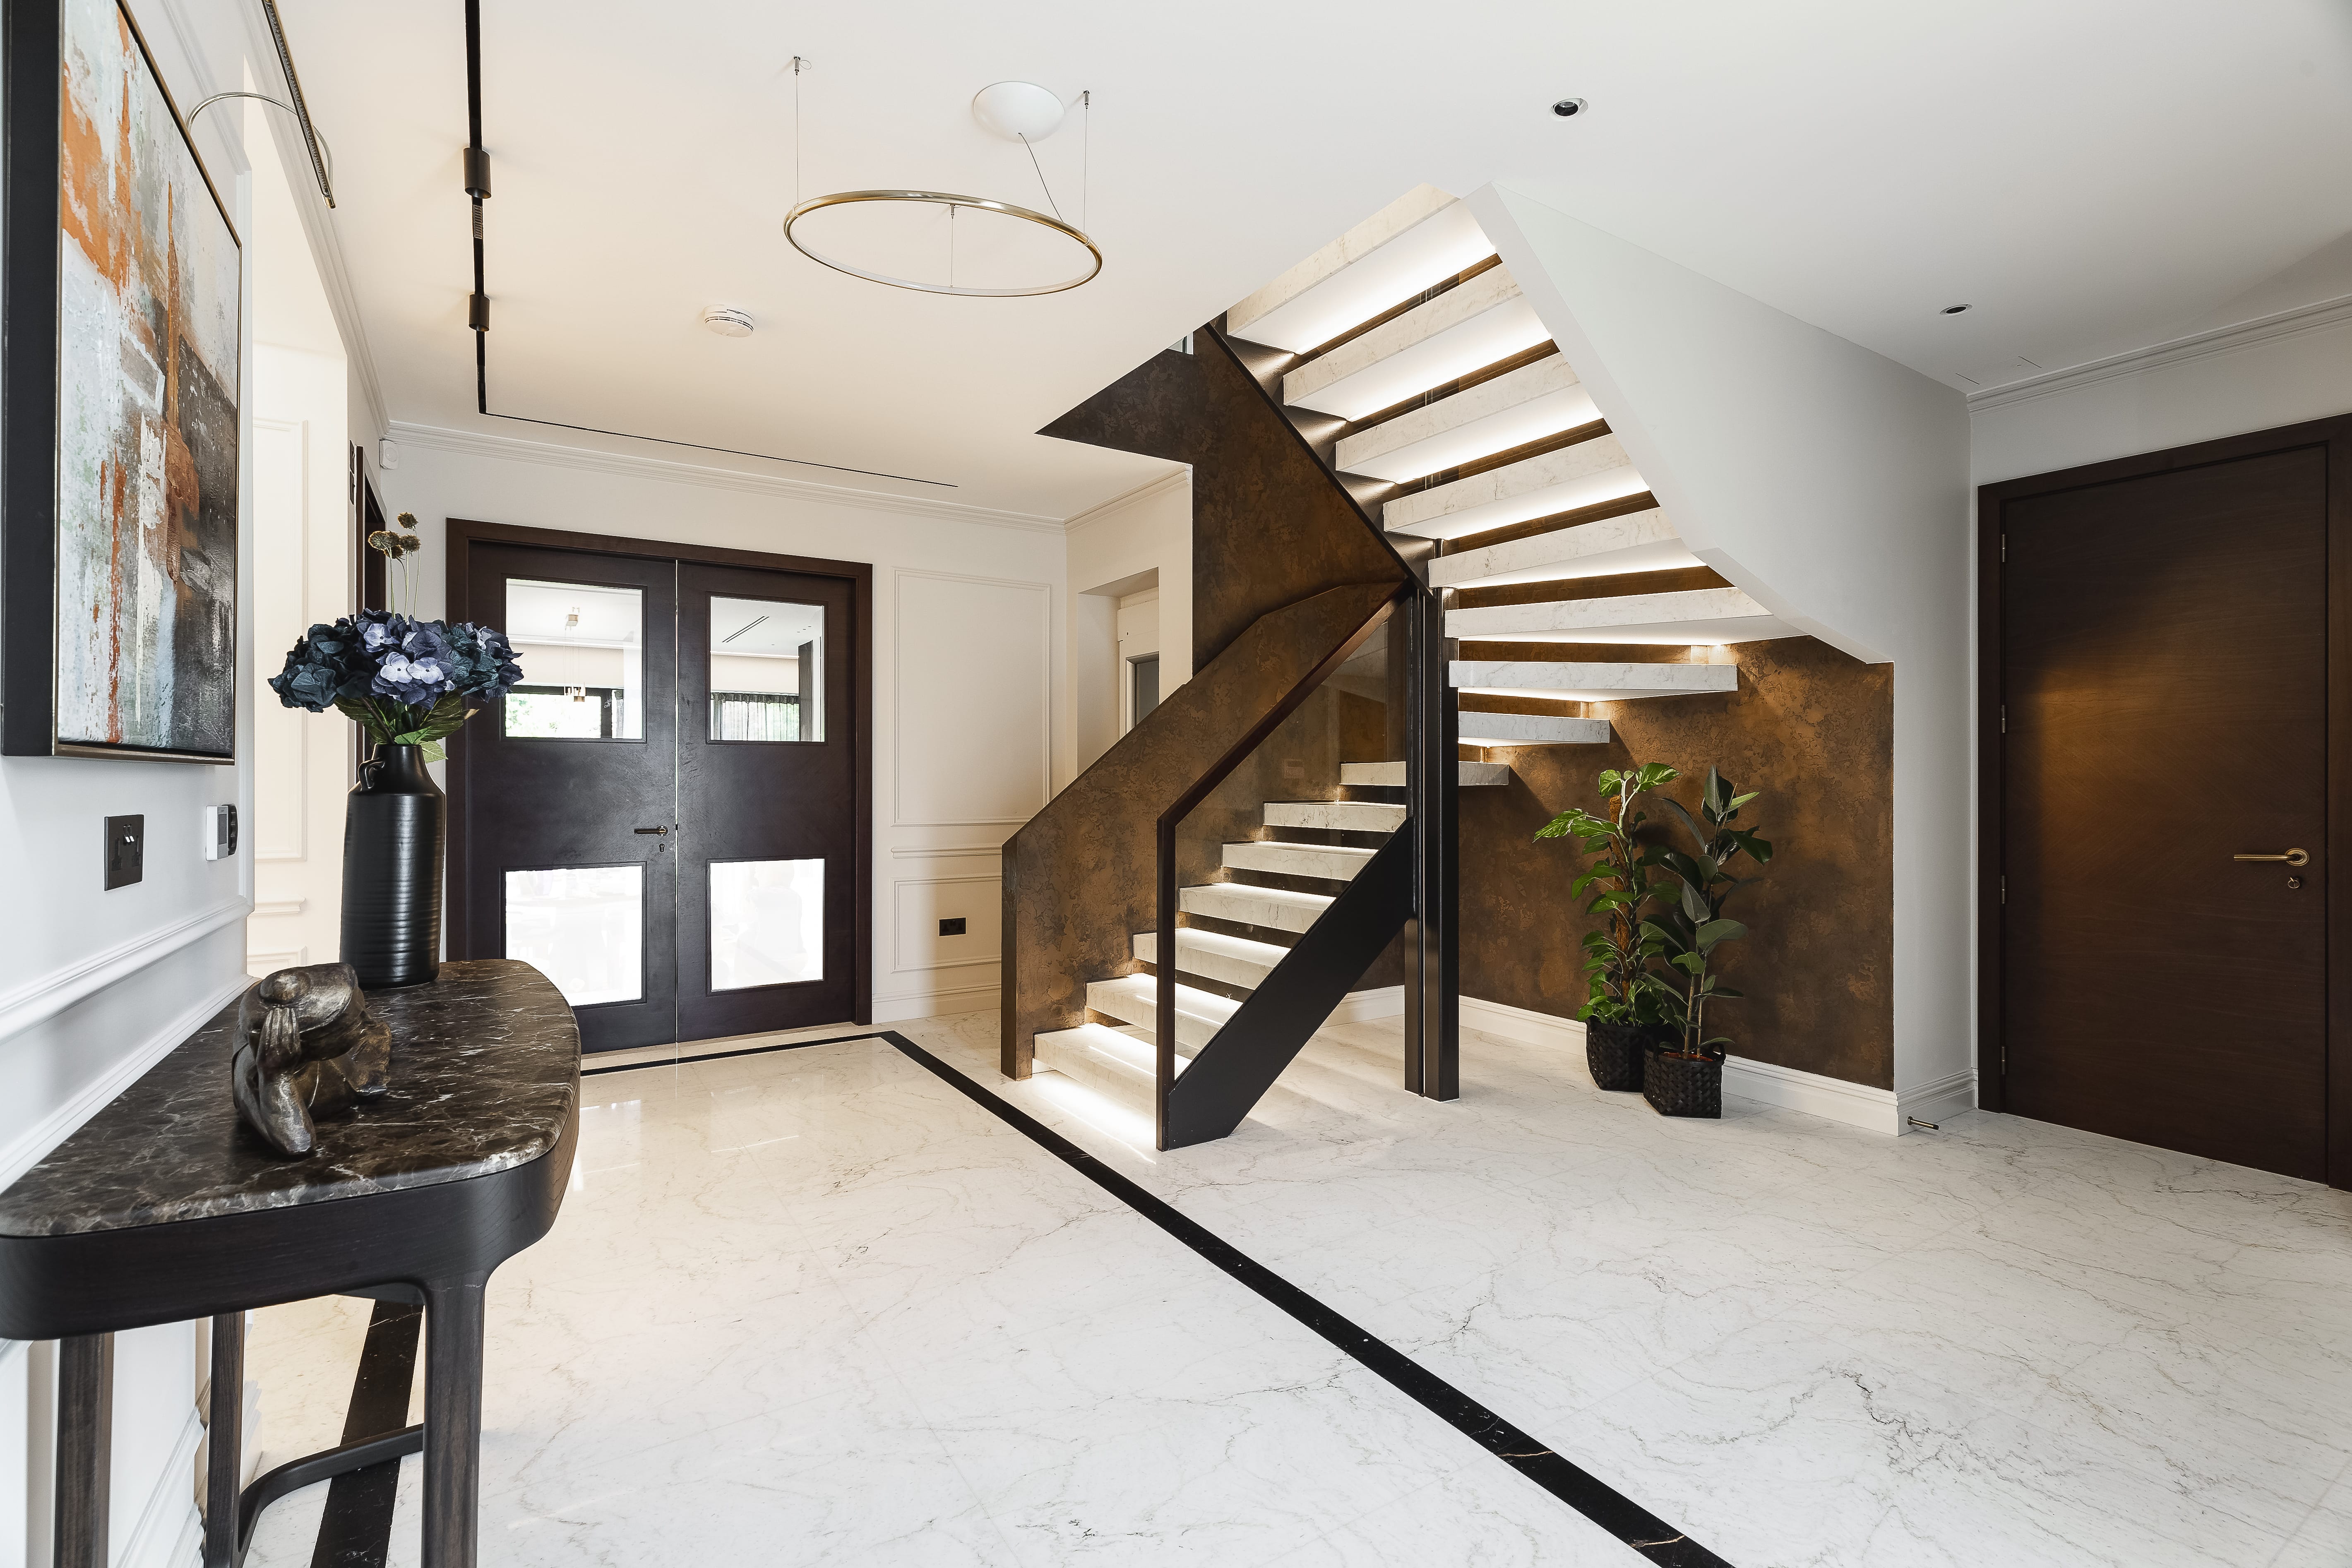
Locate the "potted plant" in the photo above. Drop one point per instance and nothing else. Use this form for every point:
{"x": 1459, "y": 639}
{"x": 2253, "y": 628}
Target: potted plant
{"x": 409, "y": 685}
{"x": 1684, "y": 1076}
{"x": 1621, "y": 1006}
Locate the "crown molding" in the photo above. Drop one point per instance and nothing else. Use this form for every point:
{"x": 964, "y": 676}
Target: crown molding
{"x": 2222, "y": 339}
{"x": 1183, "y": 475}
{"x": 511, "y": 449}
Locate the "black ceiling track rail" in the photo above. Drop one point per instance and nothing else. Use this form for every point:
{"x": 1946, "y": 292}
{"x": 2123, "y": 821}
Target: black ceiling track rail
{"x": 478, "y": 308}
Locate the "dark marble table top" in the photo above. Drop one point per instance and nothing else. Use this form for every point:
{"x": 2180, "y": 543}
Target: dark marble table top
{"x": 485, "y": 1077}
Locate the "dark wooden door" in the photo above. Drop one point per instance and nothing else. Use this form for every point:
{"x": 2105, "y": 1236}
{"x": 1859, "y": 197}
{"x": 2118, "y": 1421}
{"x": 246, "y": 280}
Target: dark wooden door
{"x": 2164, "y": 671}
{"x": 767, "y": 801}
{"x": 568, "y": 790}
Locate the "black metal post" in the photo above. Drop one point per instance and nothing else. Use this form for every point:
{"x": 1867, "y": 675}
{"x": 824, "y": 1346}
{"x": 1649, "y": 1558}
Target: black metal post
{"x": 1433, "y": 777}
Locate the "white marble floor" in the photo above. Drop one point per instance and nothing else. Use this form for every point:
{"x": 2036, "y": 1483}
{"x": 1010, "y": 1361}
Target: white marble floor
{"x": 817, "y": 1307}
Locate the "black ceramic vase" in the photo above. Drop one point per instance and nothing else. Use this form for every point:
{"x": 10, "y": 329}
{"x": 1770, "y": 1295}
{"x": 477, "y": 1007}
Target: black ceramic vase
{"x": 393, "y": 829}
{"x": 1678, "y": 1085}
{"x": 1615, "y": 1051}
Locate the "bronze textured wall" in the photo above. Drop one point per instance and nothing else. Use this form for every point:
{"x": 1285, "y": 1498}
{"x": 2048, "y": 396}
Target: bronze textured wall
{"x": 1811, "y": 728}
{"x": 1270, "y": 525}
{"x": 1081, "y": 876}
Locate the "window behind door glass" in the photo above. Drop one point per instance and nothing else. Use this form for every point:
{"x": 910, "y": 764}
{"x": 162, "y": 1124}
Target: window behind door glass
{"x": 767, "y": 669}
{"x": 582, "y": 646}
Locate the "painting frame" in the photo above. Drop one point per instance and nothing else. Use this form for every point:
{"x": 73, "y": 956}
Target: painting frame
{"x": 119, "y": 635}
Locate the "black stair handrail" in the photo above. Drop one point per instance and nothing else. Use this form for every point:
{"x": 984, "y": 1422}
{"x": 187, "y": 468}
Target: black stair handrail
{"x": 1164, "y": 955}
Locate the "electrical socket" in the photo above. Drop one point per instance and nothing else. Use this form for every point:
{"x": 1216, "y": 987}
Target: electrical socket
{"x": 126, "y": 850}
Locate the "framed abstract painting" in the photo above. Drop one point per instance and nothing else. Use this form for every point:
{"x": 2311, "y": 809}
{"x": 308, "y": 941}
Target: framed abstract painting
{"x": 119, "y": 405}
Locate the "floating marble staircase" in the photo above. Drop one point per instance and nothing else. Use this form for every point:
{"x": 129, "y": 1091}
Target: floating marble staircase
{"x": 1238, "y": 929}
{"x": 1411, "y": 331}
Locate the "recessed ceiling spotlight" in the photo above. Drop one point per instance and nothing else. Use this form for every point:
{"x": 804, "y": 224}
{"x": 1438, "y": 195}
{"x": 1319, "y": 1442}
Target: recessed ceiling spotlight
{"x": 1570, "y": 107}
{"x": 729, "y": 321}
{"x": 1952, "y": 309}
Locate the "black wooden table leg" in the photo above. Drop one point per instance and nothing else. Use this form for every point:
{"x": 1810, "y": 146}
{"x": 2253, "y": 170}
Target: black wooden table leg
{"x": 85, "y": 1448}
{"x": 225, "y": 1441}
{"x": 452, "y": 1420}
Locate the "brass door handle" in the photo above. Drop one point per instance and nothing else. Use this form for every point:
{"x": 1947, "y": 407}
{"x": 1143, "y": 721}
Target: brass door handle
{"x": 2292, "y": 857}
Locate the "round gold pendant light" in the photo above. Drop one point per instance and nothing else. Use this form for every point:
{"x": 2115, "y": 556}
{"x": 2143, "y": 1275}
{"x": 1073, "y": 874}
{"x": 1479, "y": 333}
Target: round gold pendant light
{"x": 1019, "y": 112}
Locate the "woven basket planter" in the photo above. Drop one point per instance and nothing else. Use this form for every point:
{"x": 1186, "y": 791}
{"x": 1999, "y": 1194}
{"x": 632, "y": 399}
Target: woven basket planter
{"x": 1614, "y": 1053}
{"x": 1678, "y": 1085}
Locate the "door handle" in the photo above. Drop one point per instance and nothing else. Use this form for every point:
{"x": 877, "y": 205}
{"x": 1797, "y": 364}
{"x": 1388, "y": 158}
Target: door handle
{"x": 664, "y": 830}
{"x": 2293, "y": 857}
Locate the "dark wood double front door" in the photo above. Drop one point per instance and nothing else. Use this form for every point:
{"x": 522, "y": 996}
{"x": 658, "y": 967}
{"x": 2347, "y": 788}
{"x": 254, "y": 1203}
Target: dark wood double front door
{"x": 2166, "y": 695}
{"x": 665, "y": 815}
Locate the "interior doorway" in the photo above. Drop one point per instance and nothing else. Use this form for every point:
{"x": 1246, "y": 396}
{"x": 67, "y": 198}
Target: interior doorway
{"x": 2165, "y": 740}
{"x": 671, "y": 815}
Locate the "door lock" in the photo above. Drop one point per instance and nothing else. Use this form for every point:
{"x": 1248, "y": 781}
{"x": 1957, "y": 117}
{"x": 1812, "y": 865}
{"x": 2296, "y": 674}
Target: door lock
{"x": 2292, "y": 857}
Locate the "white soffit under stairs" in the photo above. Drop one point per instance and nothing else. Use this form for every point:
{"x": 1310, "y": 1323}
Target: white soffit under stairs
{"x": 1586, "y": 474}
{"x": 1410, "y": 246}
{"x": 1510, "y": 410}
{"x": 1693, "y": 616}
{"x": 1641, "y": 540}
{"x": 1532, "y": 729}
{"x": 1465, "y": 329}
{"x": 1589, "y": 682}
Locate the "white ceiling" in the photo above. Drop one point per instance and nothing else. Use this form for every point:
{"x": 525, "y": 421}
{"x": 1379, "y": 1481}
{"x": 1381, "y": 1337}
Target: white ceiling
{"x": 2091, "y": 176}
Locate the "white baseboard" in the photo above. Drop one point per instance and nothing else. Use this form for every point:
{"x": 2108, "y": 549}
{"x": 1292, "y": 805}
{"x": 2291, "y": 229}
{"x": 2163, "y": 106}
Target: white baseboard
{"x": 1522, "y": 1025}
{"x": 932, "y": 1003}
{"x": 26, "y": 1150}
{"x": 1816, "y": 1094}
{"x": 1363, "y": 1006}
{"x": 1946, "y": 1096}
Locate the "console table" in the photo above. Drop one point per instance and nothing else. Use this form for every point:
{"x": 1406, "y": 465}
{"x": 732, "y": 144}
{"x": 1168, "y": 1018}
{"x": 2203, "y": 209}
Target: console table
{"x": 163, "y": 1207}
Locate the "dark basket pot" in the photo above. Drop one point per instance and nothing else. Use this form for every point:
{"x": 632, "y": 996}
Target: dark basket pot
{"x": 1615, "y": 1051}
{"x": 1678, "y": 1085}
{"x": 394, "y": 829}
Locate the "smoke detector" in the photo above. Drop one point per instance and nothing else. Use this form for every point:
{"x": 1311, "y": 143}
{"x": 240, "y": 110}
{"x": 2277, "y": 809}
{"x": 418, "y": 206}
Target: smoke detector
{"x": 729, "y": 320}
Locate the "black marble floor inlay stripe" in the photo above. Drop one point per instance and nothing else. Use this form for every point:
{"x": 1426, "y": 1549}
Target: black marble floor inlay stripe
{"x": 1578, "y": 1488}
{"x": 355, "y": 1530}
{"x": 722, "y": 1056}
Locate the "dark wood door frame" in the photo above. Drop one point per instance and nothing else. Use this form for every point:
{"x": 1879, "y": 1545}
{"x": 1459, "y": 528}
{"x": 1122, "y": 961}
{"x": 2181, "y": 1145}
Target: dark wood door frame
{"x": 2335, "y": 436}
{"x": 464, "y": 532}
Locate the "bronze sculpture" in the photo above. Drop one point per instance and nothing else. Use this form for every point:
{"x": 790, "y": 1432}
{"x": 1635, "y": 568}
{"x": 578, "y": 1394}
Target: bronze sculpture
{"x": 307, "y": 1047}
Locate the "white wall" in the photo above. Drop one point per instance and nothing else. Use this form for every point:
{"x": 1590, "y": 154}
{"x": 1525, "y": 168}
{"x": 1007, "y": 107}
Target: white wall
{"x": 968, "y": 635}
{"x": 1144, "y": 535}
{"x": 95, "y": 986}
{"x": 1830, "y": 483}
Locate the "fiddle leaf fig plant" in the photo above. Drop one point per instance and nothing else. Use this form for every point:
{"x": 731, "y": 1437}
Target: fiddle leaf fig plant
{"x": 1619, "y": 985}
{"x": 1688, "y": 933}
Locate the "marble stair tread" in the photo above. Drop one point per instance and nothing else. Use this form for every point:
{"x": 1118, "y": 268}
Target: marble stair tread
{"x": 1246, "y": 903}
{"x": 1692, "y": 616}
{"x": 1586, "y": 474}
{"x": 1512, "y": 409}
{"x": 1335, "y": 815}
{"x": 1390, "y": 775}
{"x": 1134, "y": 999}
{"x": 1588, "y": 682}
{"x": 1532, "y": 729}
{"x": 1110, "y": 1061}
{"x": 1465, "y": 329}
{"x": 1642, "y": 540}
{"x": 1214, "y": 955}
{"x": 1412, "y": 243}
{"x": 1333, "y": 862}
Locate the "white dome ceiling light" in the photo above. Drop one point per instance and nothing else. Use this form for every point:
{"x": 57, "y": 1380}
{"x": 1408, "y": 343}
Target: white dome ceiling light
{"x": 939, "y": 243}
{"x": 729, "y": 320}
